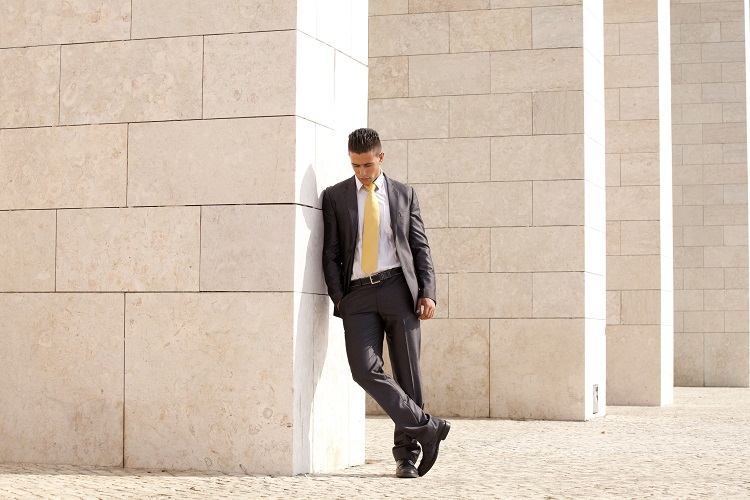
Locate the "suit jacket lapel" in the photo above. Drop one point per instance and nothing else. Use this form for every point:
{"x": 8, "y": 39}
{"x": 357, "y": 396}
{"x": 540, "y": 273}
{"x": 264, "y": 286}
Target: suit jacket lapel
{"x": 351, "y": 203}
{"x": 393, "y": 202}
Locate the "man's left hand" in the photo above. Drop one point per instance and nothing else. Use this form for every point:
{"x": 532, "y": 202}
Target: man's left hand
{"x": 425, "y": 308}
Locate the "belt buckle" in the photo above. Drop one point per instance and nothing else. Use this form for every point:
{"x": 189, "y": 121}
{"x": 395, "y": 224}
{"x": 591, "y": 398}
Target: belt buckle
{"x": 373, "y": 282}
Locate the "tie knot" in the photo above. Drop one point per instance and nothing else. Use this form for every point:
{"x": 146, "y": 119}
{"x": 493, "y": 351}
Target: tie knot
{"x": 369, "y": 187}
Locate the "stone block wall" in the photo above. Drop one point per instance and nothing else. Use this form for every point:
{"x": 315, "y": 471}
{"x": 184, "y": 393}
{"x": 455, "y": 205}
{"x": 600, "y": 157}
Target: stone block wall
{"x": 494, "y": 111}
{"x": 639, "y": 203}
{"x": 710, "y": 193}
{"x": 161, "y": 298}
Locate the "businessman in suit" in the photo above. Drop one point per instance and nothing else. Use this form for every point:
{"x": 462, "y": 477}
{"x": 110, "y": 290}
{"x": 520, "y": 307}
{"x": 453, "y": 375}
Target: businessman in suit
{"x": 379, "y": 273}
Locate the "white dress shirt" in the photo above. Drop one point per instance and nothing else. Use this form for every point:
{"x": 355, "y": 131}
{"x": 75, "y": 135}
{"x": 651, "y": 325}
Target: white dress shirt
{"x": 387, "y": 257}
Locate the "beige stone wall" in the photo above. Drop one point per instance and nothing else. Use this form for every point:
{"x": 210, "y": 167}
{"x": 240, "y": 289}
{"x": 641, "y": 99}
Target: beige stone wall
{"x": 710, "y": 193}
{"x": 161, "y": 298}
{"x": 639, "y": 203}
{"x": 494, "y": 111}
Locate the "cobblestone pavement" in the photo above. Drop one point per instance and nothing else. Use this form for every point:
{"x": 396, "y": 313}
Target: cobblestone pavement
{"x": 697, "y": 448}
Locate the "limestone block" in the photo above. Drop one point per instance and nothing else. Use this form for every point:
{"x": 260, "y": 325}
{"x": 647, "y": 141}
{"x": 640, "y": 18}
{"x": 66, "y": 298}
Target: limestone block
{"x": 613, "y": 238}
{"x": 684, "y": 14}
{"x": 732, "y": 31}
{"x": 734, "y": 235}
{"x": 456, "y": 366}
{"x": 704, "y": 321}
{"x": 704, "y": 278}
{"x": 234, "y": 258}
{"x": 386, "y": 7}
{"x": 411, "y": 34}
{"x": 722, "y": 174}
{"x": 490, "y": 204}
{"x": 639, "y": 169}
{"x": 433, "y": 204}
{"x": 535, "y": 368}
{"x": 688, "y": 216}
{"x": 459, "y": 160}
{"x": 705, "y": 194}
{"x": 686, "y": 53}
{"x": 496, "y": 295}
{"x": 416, "y": 6}
{"x": 721, "y": 11}
{"x": 633, "y": 272}
{"x": 28, "y": 250}
{"x": 703, "y": 236}
{"x": 388, "y": 77}
{"x": 731, "y": 72}
{"x": 396, "y": 160}
{"x": 633, "y": 365}
{"x": 723, "y": 92}
{"x": 722, "y": 133}
{"x": 490, "y": 30}
{"x": 62, "y": 380}
{"x": 228, "y": 408}
{"x": 460, "y": 249}
{"x": 726, "y": 360}
{"x": 612, "y": 104}
{"x": 505, "y": 4}
{"x": 251, "y": 74}
{"x": 640, "y": 103}
{"x": 414, "y": 118}
{"x": 550, "y": 303}
{"x": 228, "y": 161}
{"x": 29, "y": 84}
{"x": 558, "y": 203}
{"x": 172, "y": 18}
{"x": 321, "y": 69}
{"x": 685, "y": 257}
{"x": 128, "y": 249}
{"x": 60, "y": 167}
{"x": 686, "y": 93}
{"x": 726, "y": 300}
{"x": 490, "y": 115}
{"x": 630, "y": 11}
{"x": 537, "y": 157}
{"x": 614, "y": 307}
{"x": 700, "y": 33}
{"x": 459, "y": 74}
{"x": 443, "y": 302}
{"x": 688, "y": 300}
{"x": 736, "y": 321}
{"x": 702, "y": 154}
{"x": 558, "y": 112}
{"x": 537, "y": 70}
{"x": 724, "y": 215}
{"x": 702, "y": 113}
{"x": 639, "y": 38}
{"x": 537, "y": 249}
{"x": 734, "y": 112}
{"x": 557, "y": 27}
{"x": 38, "y": 22}
{"x": 641, "y": 307}
{"x": 639, "y": 237}
{"x": 678, "y": 283}
{"x": 687, "y": 134}
{"x": 725, "y": 256}
{"x": 688, "y": 355}
{"x": 636, "y": 136}
{"x": 631, "y": 71}
{"x": 701, "y": 73}
{"x": 131, "y": 81}
{"x": 612, "y": 167}
{"x": 611, "y": 39}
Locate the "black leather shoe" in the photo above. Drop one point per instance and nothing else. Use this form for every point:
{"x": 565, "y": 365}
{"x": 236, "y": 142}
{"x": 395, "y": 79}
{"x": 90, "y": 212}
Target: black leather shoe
{"x": 406, "y": 468}
{"x": 430, "y": 449}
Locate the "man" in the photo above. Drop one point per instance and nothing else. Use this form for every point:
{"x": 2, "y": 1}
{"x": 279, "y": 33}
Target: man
{"x": 379, "y": 273}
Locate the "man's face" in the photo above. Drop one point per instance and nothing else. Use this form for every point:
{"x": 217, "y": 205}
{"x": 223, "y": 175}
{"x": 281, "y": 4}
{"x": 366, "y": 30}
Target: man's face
{"x": 366, "y": 165}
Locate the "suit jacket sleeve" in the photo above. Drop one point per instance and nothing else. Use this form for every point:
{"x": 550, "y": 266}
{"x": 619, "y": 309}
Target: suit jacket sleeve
{"x": 332, "y": 258}
{"x": 420, "y": 250}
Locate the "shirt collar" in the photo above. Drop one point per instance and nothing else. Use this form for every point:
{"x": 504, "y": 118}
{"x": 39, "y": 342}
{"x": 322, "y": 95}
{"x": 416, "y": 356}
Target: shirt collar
{"x": 379, "y": 182}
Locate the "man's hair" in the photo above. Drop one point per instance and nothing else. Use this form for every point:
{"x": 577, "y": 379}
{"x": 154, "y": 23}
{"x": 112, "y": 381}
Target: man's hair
{"x": 364, "y": 140}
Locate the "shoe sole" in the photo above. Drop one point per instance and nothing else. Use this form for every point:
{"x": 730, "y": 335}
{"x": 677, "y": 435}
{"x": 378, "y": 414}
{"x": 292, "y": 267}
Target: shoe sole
{"x": 443, "y": 435}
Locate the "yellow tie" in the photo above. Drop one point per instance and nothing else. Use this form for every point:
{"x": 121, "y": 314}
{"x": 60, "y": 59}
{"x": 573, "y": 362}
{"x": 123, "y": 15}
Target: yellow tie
{"x": 370, "y": 232}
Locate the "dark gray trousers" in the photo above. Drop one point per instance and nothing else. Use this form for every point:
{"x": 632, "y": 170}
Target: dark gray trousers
{"x": 370, "y": 314}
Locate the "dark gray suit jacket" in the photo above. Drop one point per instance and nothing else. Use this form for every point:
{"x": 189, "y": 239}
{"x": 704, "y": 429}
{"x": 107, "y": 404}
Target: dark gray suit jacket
{"x": 340, "y": 220}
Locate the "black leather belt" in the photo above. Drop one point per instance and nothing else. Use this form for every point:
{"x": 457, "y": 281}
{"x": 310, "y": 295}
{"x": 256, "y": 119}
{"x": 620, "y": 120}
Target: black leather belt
{"x": 376, "y": 278}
